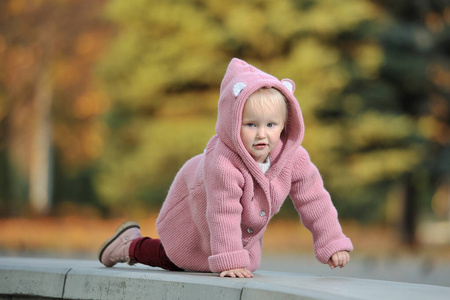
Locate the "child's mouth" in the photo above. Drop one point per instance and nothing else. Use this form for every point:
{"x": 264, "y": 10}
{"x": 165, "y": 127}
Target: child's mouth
{"x": 260, "y": 146}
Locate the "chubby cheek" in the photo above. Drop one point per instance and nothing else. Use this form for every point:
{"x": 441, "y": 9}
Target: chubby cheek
{"x": 277, "y": 136}
{"x": 274, "y": 139}
{"x": 247, "y": 133}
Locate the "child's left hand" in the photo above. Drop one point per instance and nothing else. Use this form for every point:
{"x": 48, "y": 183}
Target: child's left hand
{"x": 339, "y": 259}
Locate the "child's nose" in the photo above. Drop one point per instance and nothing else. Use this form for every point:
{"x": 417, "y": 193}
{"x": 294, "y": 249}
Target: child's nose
{"x": 261, "y": 133}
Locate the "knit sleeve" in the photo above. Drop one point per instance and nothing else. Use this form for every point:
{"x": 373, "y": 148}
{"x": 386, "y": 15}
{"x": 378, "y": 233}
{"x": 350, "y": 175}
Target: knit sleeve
{"x": 316, "y": 209}
{"x": 224, "y": 184}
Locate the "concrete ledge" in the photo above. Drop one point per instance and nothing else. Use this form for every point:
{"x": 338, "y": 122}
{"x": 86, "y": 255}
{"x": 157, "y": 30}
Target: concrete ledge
{"x": 88, "y": 279}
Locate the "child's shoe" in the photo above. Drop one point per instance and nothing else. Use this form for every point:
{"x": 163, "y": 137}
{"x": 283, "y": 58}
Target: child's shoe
{"x": 116, "y": 248}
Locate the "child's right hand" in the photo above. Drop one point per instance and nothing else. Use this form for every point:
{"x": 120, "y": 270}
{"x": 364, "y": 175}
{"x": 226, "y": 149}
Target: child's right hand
{"x": 241, "y": 273}
{"x": 339, "y": 259}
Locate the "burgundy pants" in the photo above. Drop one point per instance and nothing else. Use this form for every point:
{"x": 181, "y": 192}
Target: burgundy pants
{"x": 151, "y": 252}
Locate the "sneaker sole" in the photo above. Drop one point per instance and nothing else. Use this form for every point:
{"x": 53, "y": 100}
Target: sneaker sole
{"x": 123, "y": 227}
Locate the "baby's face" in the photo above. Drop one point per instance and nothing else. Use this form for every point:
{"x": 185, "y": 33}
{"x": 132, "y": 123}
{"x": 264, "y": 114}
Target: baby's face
{"x": 261, "y": 129}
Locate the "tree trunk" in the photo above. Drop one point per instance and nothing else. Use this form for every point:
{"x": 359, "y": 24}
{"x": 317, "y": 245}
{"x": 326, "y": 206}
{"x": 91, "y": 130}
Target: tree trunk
{"x": 409, "y": 213}
{"x": 41, "y": 159}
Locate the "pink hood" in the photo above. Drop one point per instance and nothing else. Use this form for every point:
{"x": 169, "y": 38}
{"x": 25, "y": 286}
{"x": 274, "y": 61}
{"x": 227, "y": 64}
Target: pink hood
{"x": 239, "y": 82}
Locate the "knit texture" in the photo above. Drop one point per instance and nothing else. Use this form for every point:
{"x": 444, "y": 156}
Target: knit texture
{"x": 220, "y": 202}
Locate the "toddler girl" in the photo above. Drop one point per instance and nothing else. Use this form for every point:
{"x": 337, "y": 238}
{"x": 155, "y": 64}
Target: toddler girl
{"x": 221, "y": 201}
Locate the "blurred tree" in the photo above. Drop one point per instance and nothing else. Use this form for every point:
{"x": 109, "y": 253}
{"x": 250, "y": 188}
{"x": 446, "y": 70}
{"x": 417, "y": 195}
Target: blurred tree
{"x": 164, "y": 69}
{"x": 417, "y": 68}
{"x": 394, "y": 112}
{"x": 372, "y": 80}
{"x": 48, "y": 97}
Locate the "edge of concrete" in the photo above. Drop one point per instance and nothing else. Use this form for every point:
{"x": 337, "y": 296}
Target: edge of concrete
{"x": 87, "y": 279}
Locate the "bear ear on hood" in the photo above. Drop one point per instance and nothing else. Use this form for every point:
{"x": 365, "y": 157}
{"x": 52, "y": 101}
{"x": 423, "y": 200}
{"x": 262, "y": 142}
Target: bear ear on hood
{"x": 289, "y": 84}
{"x": 238, "y": 87}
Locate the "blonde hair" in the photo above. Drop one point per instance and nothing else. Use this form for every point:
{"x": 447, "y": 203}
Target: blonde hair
{"x": 269, "y": 98}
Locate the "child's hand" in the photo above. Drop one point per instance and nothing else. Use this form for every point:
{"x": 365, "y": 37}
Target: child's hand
{"x": 241, "y": 273}
{"x": 339, "y": 259}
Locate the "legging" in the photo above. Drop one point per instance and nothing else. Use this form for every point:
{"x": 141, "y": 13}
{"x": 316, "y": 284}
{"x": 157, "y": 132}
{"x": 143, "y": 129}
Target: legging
{"x": 151, "y": 252}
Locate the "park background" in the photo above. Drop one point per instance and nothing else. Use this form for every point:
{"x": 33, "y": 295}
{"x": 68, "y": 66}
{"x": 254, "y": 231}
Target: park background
{"x": 101, "y": 102}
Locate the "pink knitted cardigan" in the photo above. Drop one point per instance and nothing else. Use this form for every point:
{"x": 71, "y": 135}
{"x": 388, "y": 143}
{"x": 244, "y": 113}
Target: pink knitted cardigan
{"x": 220, "y": 202}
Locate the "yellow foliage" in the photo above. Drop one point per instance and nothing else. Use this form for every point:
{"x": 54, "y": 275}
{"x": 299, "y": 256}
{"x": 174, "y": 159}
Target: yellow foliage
{"x": 320, "y": 141}
{"x": 164, "y": 145}
{"x": 330, "y": 17}
{"x": 426, "y": 126}
{"x": 382, "y": 164}
{"x": 376, "y": 129}
{"x": 369, "y": 56}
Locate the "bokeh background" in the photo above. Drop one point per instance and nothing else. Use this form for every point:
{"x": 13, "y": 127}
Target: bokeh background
{"x": 101, "y": 102}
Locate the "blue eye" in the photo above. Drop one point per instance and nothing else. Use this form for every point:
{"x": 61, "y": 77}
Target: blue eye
{"x": 251, "y": 125}
{"x": 270, "y": 125}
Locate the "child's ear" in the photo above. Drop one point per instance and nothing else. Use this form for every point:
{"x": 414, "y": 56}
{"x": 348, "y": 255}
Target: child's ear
{"x": 289, "y": 84}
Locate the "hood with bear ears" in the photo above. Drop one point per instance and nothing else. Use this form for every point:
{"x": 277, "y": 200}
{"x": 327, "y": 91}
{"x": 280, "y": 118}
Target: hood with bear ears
{"x": 240, "y": 81}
